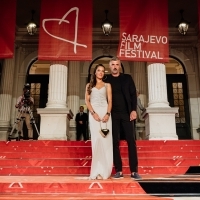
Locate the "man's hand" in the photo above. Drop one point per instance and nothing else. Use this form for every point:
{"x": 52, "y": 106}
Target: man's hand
{"x": 133, "y": 115}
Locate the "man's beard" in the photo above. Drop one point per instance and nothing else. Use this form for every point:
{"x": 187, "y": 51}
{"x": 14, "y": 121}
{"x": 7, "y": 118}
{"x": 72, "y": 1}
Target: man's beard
{"x": 115, "y": 71}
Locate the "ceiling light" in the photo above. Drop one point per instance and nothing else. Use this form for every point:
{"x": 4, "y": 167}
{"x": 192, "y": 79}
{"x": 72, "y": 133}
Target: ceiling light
{"x": 32, "y": 27}
{"x": 183, "y": 25}
{"x": 106, "y": 25}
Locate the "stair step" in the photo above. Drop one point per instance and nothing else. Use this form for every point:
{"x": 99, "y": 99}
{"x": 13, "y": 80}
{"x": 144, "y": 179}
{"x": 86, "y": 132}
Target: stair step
{"x": 53, "y": 162}
{"x": 84, "y": 155}
{"x": 87, "y": 149}
{"x": 58, "y": 196}
{"x": 140, "y": 143}
{"x": 79, "y": 186}
{"x": 85, "y": 170}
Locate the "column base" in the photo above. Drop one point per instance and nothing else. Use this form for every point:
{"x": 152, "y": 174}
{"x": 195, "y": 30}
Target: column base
{"x": 54, "y": 123}
{"x": 160, "y": 123}
{"x": 4, "y": 131}
{"x": 4, "y": 124}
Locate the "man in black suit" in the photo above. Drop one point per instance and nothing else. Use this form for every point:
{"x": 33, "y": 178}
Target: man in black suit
{"x": 81, "y": 124}
{"x": 124, "y": 105}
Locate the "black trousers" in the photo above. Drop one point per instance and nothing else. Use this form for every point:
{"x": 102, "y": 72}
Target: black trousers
{"x": 81, "y": 129}
{"x": 122, "y": 122}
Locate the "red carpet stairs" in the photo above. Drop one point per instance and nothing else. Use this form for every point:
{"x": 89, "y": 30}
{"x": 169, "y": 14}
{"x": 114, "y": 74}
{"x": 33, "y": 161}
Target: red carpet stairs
{"x": 59, "y": 170}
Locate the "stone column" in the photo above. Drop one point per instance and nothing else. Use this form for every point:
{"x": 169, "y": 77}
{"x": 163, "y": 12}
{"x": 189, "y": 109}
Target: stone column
{"x": 157, "y": 85}
{"x": 73, "y": 94}
{"x": 54, "y": 118}
{"x": 159, "y": 117}
{"x": 57, "y": 86}
{"x": 6, "y": 96}
{"x": 16, "y": 86}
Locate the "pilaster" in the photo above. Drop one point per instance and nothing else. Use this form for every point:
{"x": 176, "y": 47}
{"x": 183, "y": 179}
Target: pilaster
{"x": 73, "y": 94}
{"x": 140, "y": 79}
{"x": 6, "y": 96}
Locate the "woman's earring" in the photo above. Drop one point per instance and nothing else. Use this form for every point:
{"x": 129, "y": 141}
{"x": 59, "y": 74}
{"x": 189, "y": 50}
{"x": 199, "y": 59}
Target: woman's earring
{"x": 104, "y": 78}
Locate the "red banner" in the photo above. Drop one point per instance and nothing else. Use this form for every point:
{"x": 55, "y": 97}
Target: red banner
{"x": 8, "y": 25}
{"x": 65, "y": 30}
{"x": 143, "y": 30}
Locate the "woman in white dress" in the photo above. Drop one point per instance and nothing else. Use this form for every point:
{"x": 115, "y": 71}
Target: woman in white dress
{"x": 98, "y": 98}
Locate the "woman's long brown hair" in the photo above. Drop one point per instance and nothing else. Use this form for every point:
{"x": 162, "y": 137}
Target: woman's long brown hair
{"x": 93, "y": 80}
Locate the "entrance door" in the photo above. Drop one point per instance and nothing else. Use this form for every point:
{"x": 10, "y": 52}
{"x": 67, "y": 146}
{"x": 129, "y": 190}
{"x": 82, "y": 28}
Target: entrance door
{"x": 178, "y": 97}
{"x": 39, "y": 91}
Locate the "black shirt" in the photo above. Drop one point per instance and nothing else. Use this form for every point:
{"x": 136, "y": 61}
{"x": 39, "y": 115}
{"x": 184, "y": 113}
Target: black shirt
{"x": 118, "y": 100}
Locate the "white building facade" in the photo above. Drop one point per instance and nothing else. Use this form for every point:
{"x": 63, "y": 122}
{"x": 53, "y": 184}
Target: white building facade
{"x": 170, "y": 92}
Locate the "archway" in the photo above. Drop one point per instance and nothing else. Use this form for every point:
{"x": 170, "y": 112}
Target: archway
{"x": 101, "y": 60}
{"x": 177, "y": 90}
{"x": 38, "y": 77}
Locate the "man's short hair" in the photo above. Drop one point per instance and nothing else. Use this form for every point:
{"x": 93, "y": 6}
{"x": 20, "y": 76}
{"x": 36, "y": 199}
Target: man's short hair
{"x": 115, "y": 58}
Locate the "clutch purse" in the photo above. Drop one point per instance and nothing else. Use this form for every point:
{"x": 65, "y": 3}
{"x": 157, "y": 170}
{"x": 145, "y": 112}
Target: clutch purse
{"x": 104, "y": 131}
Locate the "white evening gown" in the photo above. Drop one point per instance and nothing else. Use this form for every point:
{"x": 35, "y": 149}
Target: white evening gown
{"x": 102, "y": 148}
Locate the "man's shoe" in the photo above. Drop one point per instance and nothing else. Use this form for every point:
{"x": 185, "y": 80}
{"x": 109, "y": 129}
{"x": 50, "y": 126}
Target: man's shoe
{"x": 118, "y": 175}
{"x": 136, "y": 176}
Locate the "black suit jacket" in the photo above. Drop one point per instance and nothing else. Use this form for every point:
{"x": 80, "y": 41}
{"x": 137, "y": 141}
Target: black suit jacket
{"x": 83, "y": 118}
{"x": 128, "y": 90}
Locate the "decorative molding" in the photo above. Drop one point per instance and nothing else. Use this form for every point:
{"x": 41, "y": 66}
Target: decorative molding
{"x": 106, "y": 50}
{"x": 99, "y": 39}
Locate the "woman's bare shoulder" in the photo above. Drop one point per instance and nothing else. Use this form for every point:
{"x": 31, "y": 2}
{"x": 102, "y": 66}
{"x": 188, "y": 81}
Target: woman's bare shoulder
{"x": 108, "y": 84}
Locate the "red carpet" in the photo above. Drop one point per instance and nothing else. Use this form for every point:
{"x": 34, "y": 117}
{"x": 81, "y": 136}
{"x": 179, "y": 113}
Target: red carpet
{"x": 74, "y": 158}
{"x": 62, "y": 167}
{"x": 80, "y": 197}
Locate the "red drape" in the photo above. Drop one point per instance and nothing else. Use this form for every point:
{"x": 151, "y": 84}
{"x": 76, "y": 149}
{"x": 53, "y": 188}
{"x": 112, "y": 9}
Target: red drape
{"x": 65, "y": 30}
{"x": 143, "y": 30}
{"x": 7, "y": 24}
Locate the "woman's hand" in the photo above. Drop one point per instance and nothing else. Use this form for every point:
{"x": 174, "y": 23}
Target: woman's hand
{"x": 105, "y": 118}
{"x": 96, "y": 117}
